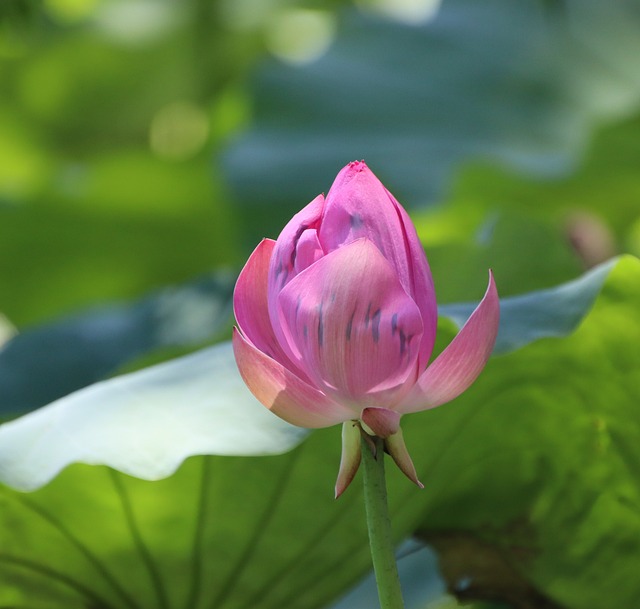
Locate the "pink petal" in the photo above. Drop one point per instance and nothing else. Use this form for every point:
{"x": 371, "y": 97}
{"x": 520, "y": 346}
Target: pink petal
{"x": 308, "y": 250}
{"x": 455, "y": 369}
{"x": 396, "y": 447}
{"x": 351, "y": 456}
{"x": 351, "y": 326}
{"x": 357, "y": 206}
{"x": 422, "y": 289}
{"x": 250, "y": 299}
{"x": 283, "y": 392}
{"x": 283, "y": 268}
{"x": 381, "y": 421}
{"x": 250, "y": 305}
{"x": 283, "y": 259}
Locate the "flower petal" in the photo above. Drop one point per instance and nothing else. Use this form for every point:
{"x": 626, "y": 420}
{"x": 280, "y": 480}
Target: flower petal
{"x": 351, "y": 326}
{"x": 358, "y": 206}
{"x": 455, "y": 369}
{"x": 251, "y": 308}
{"x": 396, "y": 447}
{"x": 250, "y": 300}
{"x": 308, "y": 250}
{"x": 421, "y": 281}
{"x": 283, "y": 392}
{"x": 351, "y": 456}
{"x": 381, "y": 421}
{"x": 283, "y": 259}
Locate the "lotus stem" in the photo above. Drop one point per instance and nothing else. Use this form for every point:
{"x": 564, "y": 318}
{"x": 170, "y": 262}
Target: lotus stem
{"x": 379, "y": 524}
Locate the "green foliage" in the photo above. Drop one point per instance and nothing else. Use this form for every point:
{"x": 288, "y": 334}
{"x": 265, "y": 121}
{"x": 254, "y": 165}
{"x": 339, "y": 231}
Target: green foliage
{"x": 124, "y": 169}
{"x": 223, "y": 532}
{"x": 554, "y": 424}
{"x": 85, "y": 348}
{"x": 549, "y": 420}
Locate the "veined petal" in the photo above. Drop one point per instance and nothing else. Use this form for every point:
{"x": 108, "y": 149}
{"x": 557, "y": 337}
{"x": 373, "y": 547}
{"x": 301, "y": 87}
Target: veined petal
{"x": 351, "y": 456}
{"x": 350, "y": 325}
{"x": 381, "y": 421}
{"x": 282, "y": 268}
{"x": 455, "y": 369}
{"x": 283, "y": 392}
{"x": 358, "y": 206}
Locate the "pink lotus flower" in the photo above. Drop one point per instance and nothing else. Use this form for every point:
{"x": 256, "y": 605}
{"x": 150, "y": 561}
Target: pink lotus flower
{"x": 337, "y": 321}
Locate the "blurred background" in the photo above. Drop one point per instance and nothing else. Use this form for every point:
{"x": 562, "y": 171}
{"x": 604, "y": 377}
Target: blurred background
{"x": 146, "y": 146}
{"x": 144, "y": 143}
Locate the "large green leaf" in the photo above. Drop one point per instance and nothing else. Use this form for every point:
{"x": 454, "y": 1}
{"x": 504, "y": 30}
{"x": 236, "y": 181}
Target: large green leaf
{"x": 522, "y": 459}
{"x": 222, "y": 532}
{"x": 46, "y": 362}
{"x": 530, "y": 317}
{"x": 145, "y": 423}
{"x": 538, "y": 465}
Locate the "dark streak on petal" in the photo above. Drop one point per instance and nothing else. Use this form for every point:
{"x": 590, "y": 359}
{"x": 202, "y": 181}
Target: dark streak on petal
{"x": 355, "y": 220}
{"x": 375, "y": 326}
{"x": 285, "y": 274}
{"x": 394, "y": 324}
{"x": 367, "y": 316}
{"x": 320, "y": 326}
{"x": 294, "y": 251}
{"x": 409, "y": 339}
{"x": 403, "y": 342}
{"x": 350, "y": 325}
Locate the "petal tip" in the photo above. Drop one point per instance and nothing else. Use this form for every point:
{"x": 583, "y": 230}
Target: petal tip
{"x": 351, "y": 456}
{"x": 396, "y": 447}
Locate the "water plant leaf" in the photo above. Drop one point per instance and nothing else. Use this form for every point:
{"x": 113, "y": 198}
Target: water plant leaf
{"x": 539, "y": 458}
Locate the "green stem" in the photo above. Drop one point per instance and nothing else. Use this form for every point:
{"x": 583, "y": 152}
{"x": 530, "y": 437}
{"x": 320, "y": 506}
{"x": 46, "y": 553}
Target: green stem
{"x": 379, "y": 524}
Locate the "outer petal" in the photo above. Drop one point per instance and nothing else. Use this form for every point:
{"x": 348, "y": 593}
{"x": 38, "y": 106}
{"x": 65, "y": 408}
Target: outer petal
{"x": 422, "y": 288}
{"x": 455, "y": 369}
{"x": 250, "y": 301}
{"x": 351, "y": 456}
{"x": 283, "y": 392}
{"x": 251, "y": 308}
{"x": 357, "y": 206}
{"x": 396, "y": 447}
{"x": 351, "y": 326}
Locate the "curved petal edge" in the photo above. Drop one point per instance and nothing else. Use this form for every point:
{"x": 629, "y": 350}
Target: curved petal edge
{"x": 282, "y": 392}
{"x": 458, "y": 366}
